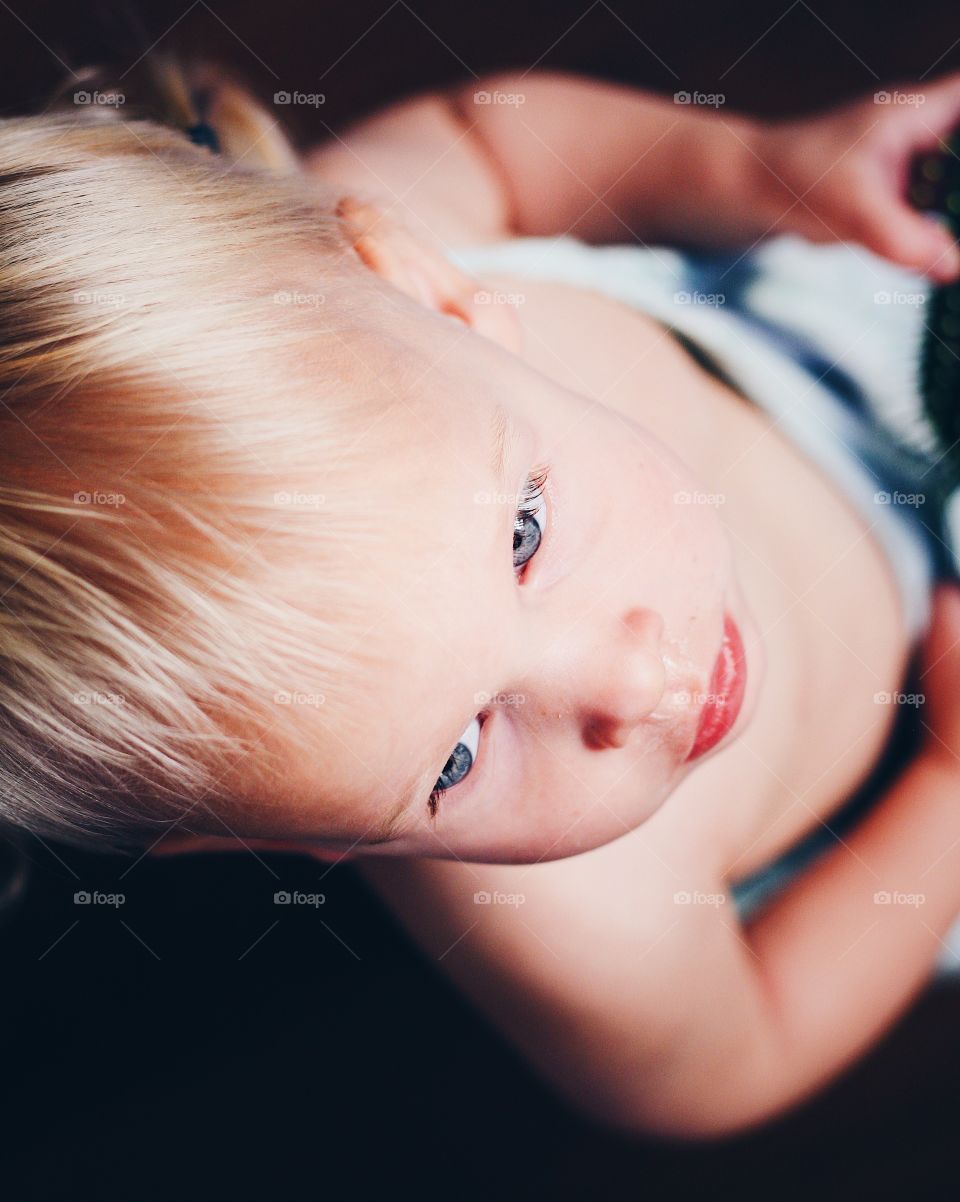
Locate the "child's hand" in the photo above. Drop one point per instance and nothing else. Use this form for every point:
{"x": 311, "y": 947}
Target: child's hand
{"x": 850, "y": 168}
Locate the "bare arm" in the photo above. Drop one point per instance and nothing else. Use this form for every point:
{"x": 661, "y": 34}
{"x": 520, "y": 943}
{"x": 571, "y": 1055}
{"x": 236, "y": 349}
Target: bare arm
{"x": 669, "y": 1017}
{"x": 551, "y": 153}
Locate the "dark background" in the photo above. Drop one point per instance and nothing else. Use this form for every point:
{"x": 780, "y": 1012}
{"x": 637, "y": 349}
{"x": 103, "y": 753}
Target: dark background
{"x": 201, "y": 1042}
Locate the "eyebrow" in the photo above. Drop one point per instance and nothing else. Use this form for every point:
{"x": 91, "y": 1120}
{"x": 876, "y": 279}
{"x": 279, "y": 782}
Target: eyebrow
{"x": 505, "y": 434}
{"x": 503, "y": 428}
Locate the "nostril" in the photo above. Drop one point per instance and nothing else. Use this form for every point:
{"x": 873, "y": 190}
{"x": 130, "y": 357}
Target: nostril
{"x": 601, "y": 735}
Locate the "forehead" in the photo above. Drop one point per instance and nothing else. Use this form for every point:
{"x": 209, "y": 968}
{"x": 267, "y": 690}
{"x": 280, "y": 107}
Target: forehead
{"x": 441, "y": 578}
{"x": 441, "y": 581}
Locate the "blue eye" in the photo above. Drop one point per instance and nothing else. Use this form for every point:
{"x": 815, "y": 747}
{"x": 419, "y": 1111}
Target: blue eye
{"x": 530, "y": 521}
{"x": 458, "y": 765}
{"x": 528, "y": 527}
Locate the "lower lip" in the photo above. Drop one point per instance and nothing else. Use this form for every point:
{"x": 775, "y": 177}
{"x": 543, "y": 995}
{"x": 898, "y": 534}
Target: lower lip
{"x": 725, "y": 692}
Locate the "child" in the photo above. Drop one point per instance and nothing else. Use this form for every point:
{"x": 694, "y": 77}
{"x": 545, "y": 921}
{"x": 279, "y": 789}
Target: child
{"x": 266, "y": 437}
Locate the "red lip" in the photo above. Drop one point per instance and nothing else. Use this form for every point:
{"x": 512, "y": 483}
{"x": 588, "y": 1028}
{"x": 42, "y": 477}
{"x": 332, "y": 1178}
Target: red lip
{"x": 725, "y": 692}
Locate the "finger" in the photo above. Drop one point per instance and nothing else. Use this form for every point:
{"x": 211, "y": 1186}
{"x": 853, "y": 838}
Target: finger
{"x": 927, "y": 245}
{"x": 919, "y": 115}
{"x": 941, "y": 102}
{"x": 916, "y": 241}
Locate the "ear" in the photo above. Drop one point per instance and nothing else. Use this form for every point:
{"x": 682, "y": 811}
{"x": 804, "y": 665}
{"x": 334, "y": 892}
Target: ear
{"x": 424, "y": 273}
{"x": 179, "y": 842}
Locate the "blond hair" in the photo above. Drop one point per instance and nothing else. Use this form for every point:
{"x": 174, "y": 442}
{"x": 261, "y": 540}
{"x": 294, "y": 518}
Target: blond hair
{"x": 178, "y": 372}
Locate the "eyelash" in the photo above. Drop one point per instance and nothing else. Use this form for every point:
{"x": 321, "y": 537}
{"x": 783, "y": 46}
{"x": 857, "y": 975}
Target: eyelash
{"x": 530, "y": 501}
{"x": 529, "y": 504}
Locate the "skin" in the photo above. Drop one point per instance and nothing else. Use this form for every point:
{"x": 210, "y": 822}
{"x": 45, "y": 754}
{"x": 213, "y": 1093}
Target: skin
{"x": 647, "y": 1013}
{"x": 666, "y": 616}
{"x": 598, "y": 654}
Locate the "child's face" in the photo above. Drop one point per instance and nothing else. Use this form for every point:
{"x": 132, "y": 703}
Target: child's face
{"x": 572, "y": 682}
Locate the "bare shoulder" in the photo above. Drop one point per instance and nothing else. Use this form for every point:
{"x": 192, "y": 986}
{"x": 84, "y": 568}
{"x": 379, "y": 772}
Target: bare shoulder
{"x": 589, "y": 966}
{"x": 558, "y": 926}
{"x": 419, "y": 159}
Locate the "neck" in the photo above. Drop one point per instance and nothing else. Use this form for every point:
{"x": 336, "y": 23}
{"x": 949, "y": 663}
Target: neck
{"x": 805, "y": 565}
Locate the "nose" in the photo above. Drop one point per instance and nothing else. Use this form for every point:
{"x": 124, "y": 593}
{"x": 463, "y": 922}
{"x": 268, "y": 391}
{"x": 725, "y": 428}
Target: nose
{"x": 608, "y": 671}
{"x": 617, "y": 700}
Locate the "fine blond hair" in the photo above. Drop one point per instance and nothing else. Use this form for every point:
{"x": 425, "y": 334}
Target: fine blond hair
{"x": 176, "y": 430}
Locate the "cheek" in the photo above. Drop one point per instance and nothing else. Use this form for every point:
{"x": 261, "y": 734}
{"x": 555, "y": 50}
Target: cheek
{"x": 681, "y": 529}
{"x": 598, "y": 799}
{"x": 683, "y": 565}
